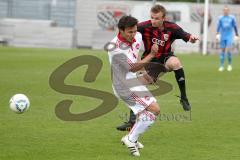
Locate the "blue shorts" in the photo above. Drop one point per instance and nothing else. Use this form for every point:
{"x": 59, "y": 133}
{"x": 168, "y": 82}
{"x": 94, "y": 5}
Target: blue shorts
{"x": 226, "y": 43}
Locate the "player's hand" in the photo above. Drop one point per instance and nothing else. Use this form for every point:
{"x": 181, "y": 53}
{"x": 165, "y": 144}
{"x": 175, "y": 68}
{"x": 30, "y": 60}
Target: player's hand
{"x": 218, "y": 37}
{"x": 154, "y": 49}
{"x": 236, "y": 38}
{"x": 193, "y": 39}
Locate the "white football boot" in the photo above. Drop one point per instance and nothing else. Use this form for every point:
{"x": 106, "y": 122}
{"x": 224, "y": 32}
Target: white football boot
{"x": 220, "y": 69}
{"x": 229, "y": 68}
{"x": 140, "y": 145}
{"x": 131, "y": 146}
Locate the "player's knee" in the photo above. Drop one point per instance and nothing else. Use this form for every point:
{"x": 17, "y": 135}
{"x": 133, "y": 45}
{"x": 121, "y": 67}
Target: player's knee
{"x": 222, "y": 55}
{"x": 154, "y": 108}
{"x": 174, "y": 64}
{"x": 157, "y": 112}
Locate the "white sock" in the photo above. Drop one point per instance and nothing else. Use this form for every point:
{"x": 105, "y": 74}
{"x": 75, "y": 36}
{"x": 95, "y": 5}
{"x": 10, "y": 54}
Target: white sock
{"x": 143, "y": 122}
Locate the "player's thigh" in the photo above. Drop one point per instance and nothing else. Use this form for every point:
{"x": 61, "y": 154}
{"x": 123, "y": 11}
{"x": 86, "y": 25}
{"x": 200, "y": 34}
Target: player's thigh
{"x": 223, "y": 45}
{"x": 145, "y": 79}
{"x": 173, "y": 63}
{"x": 229, "y": 44}
{"x": 153, "y": 71}
{"x": 140, "y": 99}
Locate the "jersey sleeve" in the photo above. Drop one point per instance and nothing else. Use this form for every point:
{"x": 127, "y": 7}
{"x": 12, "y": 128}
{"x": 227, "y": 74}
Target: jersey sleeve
{"x": 142, "y": 25}
{"x": 140, "y": 28}
{"x": 179, "y": 33}
{"x": 219, "y": 25}
{"x": 234, "y": 24}
{"x": 140, "y": 40}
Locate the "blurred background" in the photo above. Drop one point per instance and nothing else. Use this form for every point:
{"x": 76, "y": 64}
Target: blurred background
{"x": 92, "y": 23}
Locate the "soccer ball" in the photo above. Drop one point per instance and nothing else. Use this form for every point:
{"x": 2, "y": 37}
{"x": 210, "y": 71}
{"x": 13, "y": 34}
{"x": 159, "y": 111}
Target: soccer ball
{"x": 19, "y": 103}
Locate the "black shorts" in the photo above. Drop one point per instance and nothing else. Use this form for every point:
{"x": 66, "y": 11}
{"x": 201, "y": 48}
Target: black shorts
{"x": 163, "y": 58}
{"x": 156, "y": 66}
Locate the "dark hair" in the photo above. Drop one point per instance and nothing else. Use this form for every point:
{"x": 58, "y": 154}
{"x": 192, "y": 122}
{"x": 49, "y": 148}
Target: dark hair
{"x": 158, "y": 8}
{"x": 127, "y": 21}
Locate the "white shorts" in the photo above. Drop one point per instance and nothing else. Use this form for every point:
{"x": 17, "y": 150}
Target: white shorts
{"x": 138, "y": 99}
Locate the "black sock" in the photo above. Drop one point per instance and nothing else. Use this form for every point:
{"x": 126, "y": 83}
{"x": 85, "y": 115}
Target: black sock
{"x": 180, "y": 77}
{"x": 132, "y": 117}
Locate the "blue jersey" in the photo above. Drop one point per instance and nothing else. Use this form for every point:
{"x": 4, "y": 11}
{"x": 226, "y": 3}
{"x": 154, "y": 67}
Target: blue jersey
{"x": 226, "y": 25}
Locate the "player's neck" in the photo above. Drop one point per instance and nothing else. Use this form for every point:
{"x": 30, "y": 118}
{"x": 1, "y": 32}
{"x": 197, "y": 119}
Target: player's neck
{"x": 159, "y": 26}
{"x": 123, "y": 39}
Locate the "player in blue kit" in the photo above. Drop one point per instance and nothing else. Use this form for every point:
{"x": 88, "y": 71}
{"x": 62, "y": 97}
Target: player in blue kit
{"x": 226, "y": 25}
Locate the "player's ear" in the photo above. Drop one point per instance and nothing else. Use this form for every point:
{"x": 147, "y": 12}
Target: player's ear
{"x": 164, "y": 17}
{"x": 121, "y": 31}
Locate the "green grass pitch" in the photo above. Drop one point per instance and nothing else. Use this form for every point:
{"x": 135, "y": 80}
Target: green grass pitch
{"x": 212, "y": 133}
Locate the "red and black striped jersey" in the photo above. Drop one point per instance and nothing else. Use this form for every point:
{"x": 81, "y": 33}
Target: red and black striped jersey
{"x": 163, "y": 37}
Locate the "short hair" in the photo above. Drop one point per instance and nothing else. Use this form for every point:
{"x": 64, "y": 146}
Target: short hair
{"x": 127, "y": 21}
{"x": 159, "y": 8}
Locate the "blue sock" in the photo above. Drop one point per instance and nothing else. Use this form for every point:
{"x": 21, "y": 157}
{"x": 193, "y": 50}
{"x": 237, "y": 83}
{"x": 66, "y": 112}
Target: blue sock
{"x": 229, "y": 58}
{"x": 222, "y": 57}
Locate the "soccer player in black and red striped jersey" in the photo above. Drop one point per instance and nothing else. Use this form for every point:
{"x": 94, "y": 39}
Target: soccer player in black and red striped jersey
{"x": 163, "y": 33}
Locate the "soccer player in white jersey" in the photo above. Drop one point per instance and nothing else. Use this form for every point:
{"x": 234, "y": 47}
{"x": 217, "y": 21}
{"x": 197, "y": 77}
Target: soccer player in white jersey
{"x": 226, "y": 25}
{"x": 123, "y": 57}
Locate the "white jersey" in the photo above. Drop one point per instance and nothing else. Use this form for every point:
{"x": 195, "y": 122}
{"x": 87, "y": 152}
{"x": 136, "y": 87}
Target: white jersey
{"x": 122, "y": 56}
{"x": 126, "y": 49}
